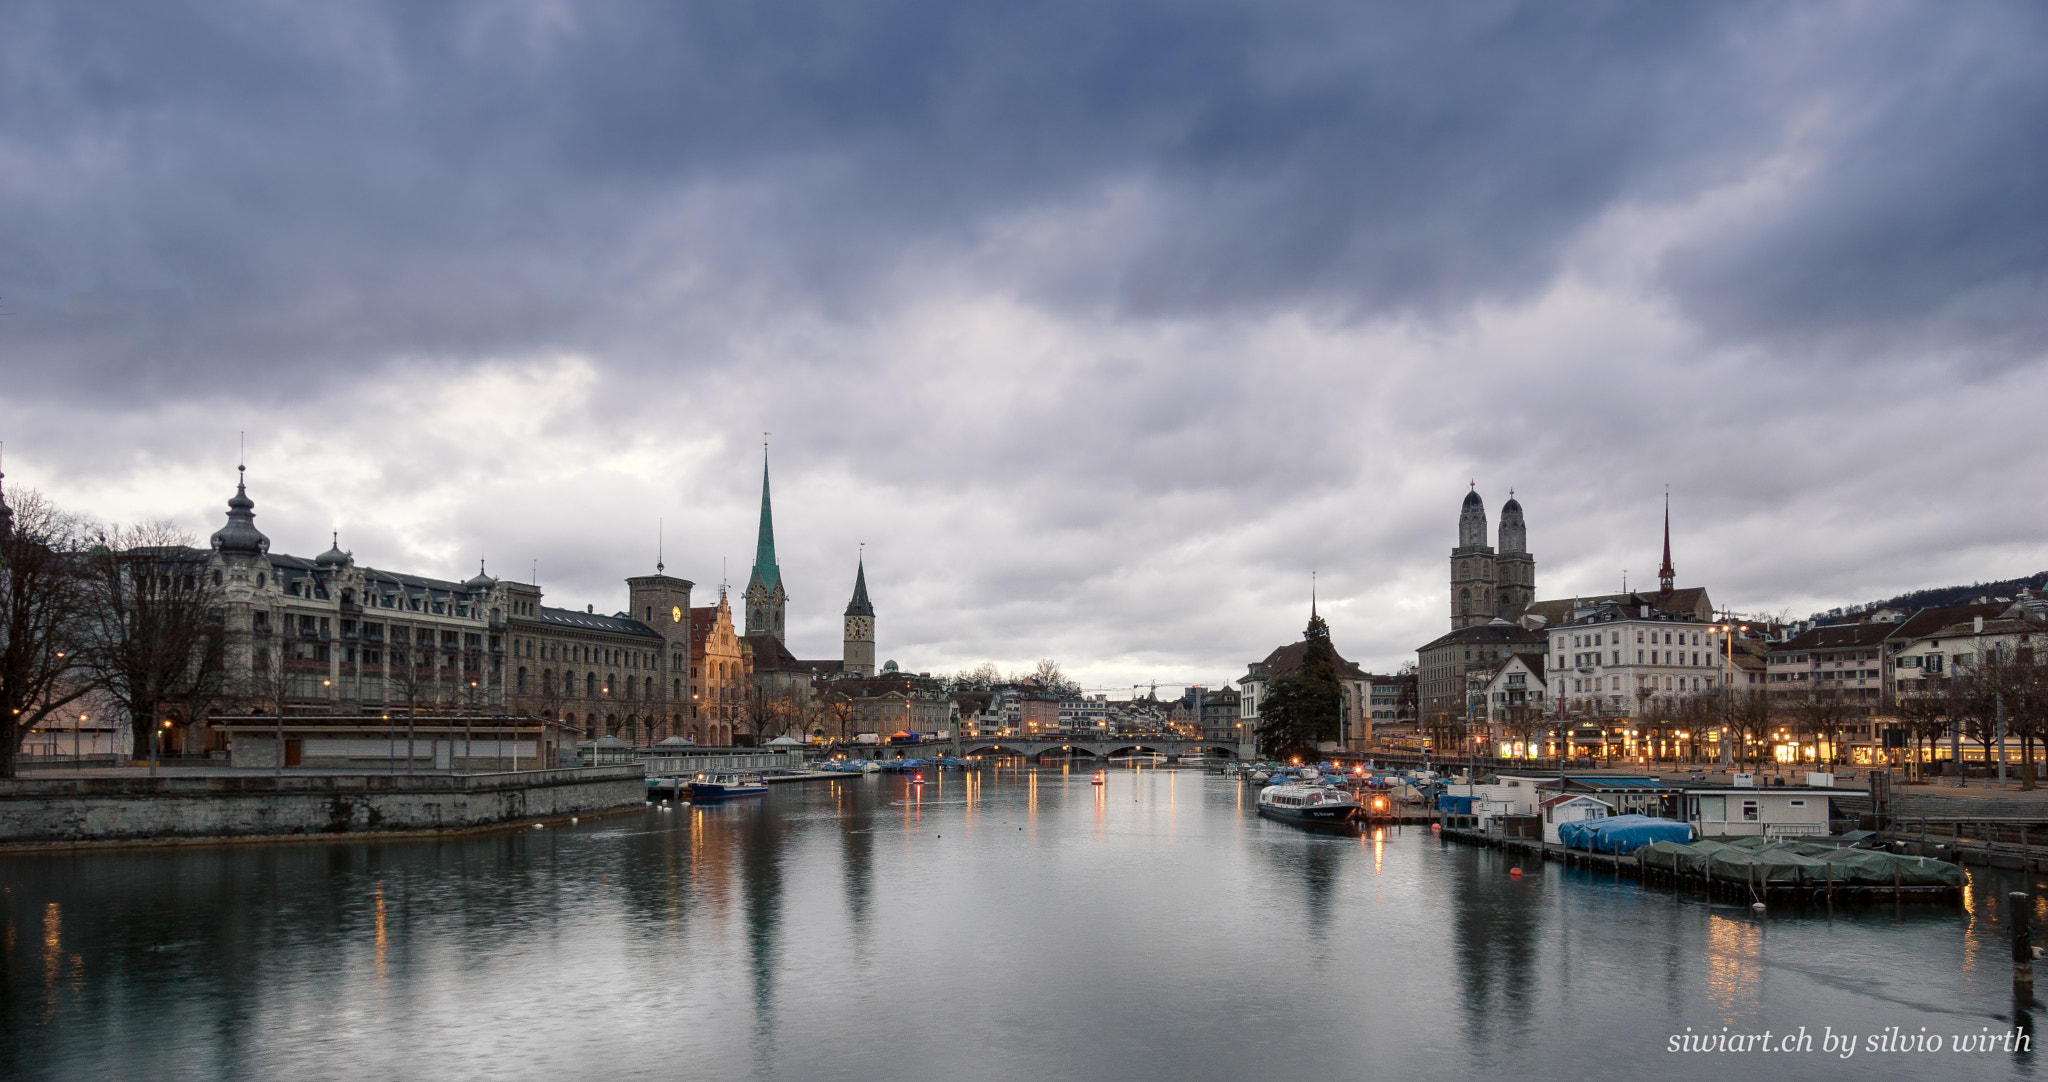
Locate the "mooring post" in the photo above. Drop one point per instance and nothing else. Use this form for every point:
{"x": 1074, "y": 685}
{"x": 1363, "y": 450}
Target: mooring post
{"x": 2022, "y": 942}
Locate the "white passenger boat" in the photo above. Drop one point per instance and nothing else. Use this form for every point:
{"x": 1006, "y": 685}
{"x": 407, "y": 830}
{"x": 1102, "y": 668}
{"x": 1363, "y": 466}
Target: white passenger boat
{"x": 1308, "y": 805}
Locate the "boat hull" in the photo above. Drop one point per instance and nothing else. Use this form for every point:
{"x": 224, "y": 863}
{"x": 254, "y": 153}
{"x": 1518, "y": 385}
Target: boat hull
{"x": 1323, "y": 815}
{"x": 701, "y": 793}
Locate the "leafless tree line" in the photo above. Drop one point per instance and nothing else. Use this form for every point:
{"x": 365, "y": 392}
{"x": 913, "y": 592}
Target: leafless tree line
{"x": 131, "y": 613}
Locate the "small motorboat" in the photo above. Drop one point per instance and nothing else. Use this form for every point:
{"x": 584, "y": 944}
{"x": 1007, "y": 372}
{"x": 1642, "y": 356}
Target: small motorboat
{"x": 1308, "y": 805}
{"x": 1097, "y": 779}
{"x": 708, "y": 787}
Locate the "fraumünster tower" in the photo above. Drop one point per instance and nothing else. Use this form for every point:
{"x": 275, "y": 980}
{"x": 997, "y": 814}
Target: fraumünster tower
{"x": 765, "y": 598}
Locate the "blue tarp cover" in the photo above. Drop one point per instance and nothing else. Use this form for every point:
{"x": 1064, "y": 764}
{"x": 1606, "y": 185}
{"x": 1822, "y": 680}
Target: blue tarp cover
{"x": 1622, "y": 833}
{"x": 1456, "y": 805}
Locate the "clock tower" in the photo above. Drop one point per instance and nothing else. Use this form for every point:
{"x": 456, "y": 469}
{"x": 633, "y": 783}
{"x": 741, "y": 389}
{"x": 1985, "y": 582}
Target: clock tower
{"x": 662, "y": 602}
{"x": 859, "y": 656}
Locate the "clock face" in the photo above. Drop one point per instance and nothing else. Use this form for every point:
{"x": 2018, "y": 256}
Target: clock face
{"x": 675, "y": 614}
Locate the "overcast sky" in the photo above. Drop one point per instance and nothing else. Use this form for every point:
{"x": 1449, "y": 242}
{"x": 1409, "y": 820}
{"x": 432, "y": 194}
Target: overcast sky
{"x": 1101, "y": 324}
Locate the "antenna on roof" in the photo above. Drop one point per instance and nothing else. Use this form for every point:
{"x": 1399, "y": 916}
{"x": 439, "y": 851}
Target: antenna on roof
{"x": 659, "y": 566}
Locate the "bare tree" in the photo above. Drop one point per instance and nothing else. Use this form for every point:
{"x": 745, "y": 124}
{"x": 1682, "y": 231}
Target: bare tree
{"x": 1750, "y": 714}
{"x": 154, "y": 637}
{"x": 42, "y": 601}
{"x": 1819, "y": 715}
{"x": 983, "y": 677}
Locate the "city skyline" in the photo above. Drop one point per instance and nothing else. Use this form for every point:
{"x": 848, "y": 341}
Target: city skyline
{"x": 1100, "y": 358}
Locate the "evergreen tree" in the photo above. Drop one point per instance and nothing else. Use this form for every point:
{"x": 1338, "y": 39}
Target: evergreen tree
{"x": 1301, "y": 708}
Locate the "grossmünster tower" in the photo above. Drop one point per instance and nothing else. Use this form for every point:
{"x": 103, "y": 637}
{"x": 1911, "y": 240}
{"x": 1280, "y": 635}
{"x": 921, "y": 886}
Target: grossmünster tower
{"x": 1488, "y": 584}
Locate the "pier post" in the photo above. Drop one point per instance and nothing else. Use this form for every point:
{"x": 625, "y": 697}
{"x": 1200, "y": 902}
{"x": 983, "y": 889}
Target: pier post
{"x": 2022, "y": 941}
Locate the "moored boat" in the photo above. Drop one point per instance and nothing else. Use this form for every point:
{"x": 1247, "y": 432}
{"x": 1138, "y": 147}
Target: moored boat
{"x": 708, "y": 787}
{"x": 1308, "y": 805}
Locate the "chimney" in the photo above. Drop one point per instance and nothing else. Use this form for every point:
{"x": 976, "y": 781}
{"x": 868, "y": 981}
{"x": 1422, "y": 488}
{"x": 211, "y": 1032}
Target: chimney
{"x": 1980, "y": 625}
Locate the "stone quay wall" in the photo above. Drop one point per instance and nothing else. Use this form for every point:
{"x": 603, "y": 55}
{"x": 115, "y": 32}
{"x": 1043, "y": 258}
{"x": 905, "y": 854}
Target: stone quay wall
{"x": 42, "y": 811}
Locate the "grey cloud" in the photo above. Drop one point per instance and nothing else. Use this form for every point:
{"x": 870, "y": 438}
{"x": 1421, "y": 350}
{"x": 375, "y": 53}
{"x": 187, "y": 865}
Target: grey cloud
{"x": 1104, "y": 324}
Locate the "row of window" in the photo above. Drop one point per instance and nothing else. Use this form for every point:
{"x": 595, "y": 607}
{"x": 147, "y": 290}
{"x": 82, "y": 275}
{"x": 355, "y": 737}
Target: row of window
{"x": 1613, "y": 638}
{"x": 592, "y": 687}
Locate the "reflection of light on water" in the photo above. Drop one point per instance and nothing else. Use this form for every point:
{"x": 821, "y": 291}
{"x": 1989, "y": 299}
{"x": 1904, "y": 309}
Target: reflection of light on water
{"x": 382, "y": 941}
{"x": 1379, "y": 848}
{"x": 53, "y": 957}
{"x": 1733, "y": 950}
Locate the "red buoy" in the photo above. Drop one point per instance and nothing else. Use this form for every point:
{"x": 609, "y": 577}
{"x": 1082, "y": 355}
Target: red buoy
{"x": 1515, "y": 872}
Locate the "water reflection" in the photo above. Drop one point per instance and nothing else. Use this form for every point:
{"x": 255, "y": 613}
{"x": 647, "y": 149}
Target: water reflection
{"x": 861, "y": 929}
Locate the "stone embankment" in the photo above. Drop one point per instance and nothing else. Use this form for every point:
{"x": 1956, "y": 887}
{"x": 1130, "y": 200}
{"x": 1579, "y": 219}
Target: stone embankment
{"x": 47, "y": 812}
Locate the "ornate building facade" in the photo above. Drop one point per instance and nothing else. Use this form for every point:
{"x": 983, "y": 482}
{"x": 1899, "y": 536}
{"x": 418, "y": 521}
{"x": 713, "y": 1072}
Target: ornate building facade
{"x": 721, "y": 671}
{"x": 332, "y": 635}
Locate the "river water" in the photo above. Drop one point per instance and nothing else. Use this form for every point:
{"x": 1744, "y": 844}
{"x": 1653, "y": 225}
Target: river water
{"x": 1011, "y": 924}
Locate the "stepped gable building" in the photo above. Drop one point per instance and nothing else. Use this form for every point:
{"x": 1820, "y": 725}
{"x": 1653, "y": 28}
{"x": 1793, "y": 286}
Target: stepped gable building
{"x": 330, "y": 635}
{"x": 721, "y": 674}
{"x": 1485, "y": 583}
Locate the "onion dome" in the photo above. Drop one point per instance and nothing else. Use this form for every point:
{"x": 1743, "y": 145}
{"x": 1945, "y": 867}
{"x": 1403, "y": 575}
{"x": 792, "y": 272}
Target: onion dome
{"x": 1512, "y": 507}
{"x": 481, "y": 582}
{"x": 240, "y": 537}
{"x": 1472, "y": 501}
{"x": 333, "y": 557}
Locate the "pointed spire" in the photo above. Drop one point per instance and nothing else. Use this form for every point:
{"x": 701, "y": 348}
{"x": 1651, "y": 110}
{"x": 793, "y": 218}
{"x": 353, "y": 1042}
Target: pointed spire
{"x": 1312, "y": 595}
{"x": 659, "y": 566}
{"x": 860, "y": 606}
{"x": 766, "y": 572}
{"x": 1664, "y": 574}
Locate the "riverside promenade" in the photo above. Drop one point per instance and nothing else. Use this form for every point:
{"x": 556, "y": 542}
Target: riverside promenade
{"x": 184, "y": 804}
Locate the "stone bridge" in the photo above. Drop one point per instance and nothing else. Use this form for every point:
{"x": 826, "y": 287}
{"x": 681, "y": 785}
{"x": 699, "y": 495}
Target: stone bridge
{"x": 1038, "y": 749}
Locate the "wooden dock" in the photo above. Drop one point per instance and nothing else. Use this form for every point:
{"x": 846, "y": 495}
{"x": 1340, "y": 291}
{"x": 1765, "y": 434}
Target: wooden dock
{"x": 1722, "y": 888}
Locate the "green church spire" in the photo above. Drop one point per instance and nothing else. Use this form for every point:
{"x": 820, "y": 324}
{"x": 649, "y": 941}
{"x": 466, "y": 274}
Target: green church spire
{"x": 766, "y": 573}
{"x": 765, "y": 598}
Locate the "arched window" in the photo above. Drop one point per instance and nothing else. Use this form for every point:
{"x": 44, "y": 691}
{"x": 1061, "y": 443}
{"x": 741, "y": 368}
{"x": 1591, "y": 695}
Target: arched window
{"x": 678, "y": 694}
{"x": 216, "y": 578}
{"x": 590, "y": 686}
{"x": 522, "y": 678}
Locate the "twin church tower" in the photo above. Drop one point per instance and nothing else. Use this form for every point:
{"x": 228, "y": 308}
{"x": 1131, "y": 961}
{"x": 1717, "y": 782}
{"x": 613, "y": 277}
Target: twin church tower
{"x": 1486, "y": 584}
{"x": 766, "y": 599}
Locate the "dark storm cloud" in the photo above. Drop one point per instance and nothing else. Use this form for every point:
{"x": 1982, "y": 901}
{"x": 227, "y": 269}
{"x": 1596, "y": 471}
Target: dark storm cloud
{"x": 200, "y": 188}
{"x": 1103, "y": 324}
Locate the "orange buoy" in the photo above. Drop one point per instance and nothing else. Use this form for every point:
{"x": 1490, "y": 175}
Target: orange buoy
{"x": 1515, "y": 872}
{"x": 1436, "y": 826}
